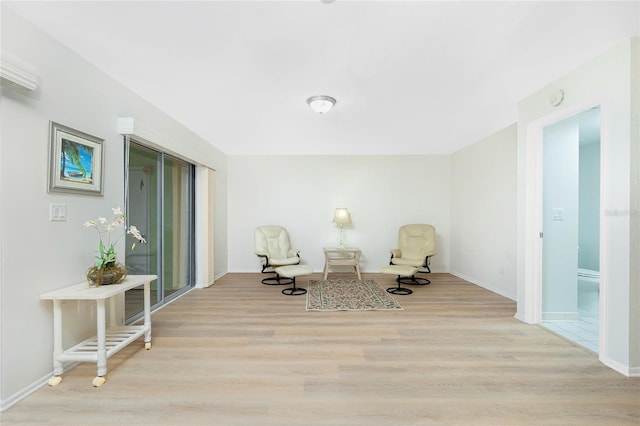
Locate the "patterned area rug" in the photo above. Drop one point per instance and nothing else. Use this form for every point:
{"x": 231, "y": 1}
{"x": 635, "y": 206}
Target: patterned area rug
{"x": 348, "y": 295}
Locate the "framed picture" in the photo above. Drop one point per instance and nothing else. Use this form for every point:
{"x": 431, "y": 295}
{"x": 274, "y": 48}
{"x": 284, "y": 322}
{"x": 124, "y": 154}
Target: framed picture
{"x": 75, "y": 161}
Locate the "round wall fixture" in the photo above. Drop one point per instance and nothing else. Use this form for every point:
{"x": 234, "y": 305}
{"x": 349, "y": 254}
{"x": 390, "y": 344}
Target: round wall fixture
{"x": 556, "y": 97}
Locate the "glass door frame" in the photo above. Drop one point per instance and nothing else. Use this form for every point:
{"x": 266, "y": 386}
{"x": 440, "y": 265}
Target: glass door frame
{"x": 161, "y": 298}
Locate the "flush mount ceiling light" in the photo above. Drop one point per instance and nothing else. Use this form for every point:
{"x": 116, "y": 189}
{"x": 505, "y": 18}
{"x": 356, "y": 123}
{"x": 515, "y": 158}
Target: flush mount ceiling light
{"x": 321, "y": 104}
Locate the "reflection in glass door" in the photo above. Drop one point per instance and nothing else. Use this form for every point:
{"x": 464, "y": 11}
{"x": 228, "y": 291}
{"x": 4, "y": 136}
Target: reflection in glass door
{"x": 177, "y": 223}
{"x": 160, "y": 203}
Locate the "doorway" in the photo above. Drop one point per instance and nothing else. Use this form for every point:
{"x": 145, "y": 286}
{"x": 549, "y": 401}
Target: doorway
{"x": 160, "y": 202}
{"x": 570, "y": 275}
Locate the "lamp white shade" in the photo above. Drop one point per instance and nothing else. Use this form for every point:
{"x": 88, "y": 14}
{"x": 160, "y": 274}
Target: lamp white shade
{"x": 321, "y": 104}
{"x": 342, "y": 216}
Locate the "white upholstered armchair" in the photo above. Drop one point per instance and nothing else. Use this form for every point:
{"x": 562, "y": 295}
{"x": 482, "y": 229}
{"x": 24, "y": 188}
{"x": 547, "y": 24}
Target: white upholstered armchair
{"x": 416, "y": 244}
{"x": 274, "y": 249}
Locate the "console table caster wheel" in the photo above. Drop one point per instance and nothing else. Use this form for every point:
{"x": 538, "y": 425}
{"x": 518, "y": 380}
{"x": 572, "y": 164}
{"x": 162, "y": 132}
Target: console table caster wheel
{"x": 99, "y": 381}
{"x": 55, "y": 380}
{"x": 147, "y": 345}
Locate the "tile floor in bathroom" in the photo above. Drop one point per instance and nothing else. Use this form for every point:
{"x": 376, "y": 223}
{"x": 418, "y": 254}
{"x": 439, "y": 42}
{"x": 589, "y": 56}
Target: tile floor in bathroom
{"x": 584, "y": 331}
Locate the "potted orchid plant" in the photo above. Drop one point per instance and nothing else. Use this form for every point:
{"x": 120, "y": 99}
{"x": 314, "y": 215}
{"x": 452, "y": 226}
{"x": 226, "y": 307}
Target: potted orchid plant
{"x": 107, "y": 270}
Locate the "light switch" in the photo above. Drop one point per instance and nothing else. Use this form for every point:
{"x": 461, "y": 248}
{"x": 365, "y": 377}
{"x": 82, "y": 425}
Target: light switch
{"x": 58, "y": 212}
{"x": 557, "y": 213}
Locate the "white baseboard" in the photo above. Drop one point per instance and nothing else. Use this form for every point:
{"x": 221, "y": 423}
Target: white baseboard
{"x": 521, "y": 318}
{"x": 25, "y": 392}
{"x": 634, "y": 372}
{"x": 484, "y": 285}
{"x": 560, "y": 316}
{"x": 620, "y": 368}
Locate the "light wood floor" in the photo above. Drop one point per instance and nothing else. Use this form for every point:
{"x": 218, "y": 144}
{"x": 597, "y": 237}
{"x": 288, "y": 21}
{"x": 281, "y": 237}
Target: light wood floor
{"x": 241, "y": 353}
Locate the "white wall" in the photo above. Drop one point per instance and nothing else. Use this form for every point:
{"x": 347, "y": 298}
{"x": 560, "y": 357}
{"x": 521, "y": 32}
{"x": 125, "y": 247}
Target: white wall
{"x": 483, "y": 212}
{"x": 634, "y": 273}
{"x": 301, "y": 193}
{"x": 37, "y": 255}
{"x": 608, "y": 80}
{"x": 589, "y": 200}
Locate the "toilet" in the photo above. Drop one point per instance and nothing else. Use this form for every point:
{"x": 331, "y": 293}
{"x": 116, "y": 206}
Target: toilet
{"x": 588, "y": 291}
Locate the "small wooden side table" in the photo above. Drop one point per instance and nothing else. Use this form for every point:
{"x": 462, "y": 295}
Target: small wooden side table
{"x": 337, "y": 256}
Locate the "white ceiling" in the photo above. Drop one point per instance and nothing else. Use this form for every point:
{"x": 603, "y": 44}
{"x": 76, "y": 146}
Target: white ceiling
{"x": 413, "y": 77}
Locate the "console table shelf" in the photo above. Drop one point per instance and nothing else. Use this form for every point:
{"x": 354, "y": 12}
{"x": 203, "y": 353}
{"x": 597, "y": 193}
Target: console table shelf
{"x": 116, "y": 338}
{"x": 107, "y": 341}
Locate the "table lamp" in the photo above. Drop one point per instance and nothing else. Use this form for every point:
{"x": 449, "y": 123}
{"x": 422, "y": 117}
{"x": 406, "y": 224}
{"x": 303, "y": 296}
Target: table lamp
{"x": 341, "y": 217}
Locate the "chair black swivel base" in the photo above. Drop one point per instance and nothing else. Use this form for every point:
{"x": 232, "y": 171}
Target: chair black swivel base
{"x": 401, "y": 291}
{"x": 413, "y": 280}
{"x": 294, "y": 291}
{"x": 277, "y": 280}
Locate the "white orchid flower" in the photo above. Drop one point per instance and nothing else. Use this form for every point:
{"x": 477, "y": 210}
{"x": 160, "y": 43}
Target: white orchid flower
{"x": 118, "y": 222}
{"x": 106, "y": 250}
{"x": 135, "y": 232}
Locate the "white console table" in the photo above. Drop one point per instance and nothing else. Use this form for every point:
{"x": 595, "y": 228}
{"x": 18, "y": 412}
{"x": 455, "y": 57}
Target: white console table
{"x": 107, "y": 341}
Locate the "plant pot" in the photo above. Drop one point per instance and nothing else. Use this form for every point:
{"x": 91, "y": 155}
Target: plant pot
{"x": 110, "y": 274}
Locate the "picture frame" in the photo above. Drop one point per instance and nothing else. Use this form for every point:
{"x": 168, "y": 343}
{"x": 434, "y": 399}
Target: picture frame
{"x": 76, "y": 161}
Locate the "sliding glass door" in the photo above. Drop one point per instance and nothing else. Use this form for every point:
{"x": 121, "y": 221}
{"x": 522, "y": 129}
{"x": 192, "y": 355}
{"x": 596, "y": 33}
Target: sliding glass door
{"x": 160, "y": 202}
{"x": 177, "y": 225}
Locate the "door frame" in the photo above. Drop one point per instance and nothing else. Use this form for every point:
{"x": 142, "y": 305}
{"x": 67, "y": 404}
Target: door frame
{"x": 532, "y": 312}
